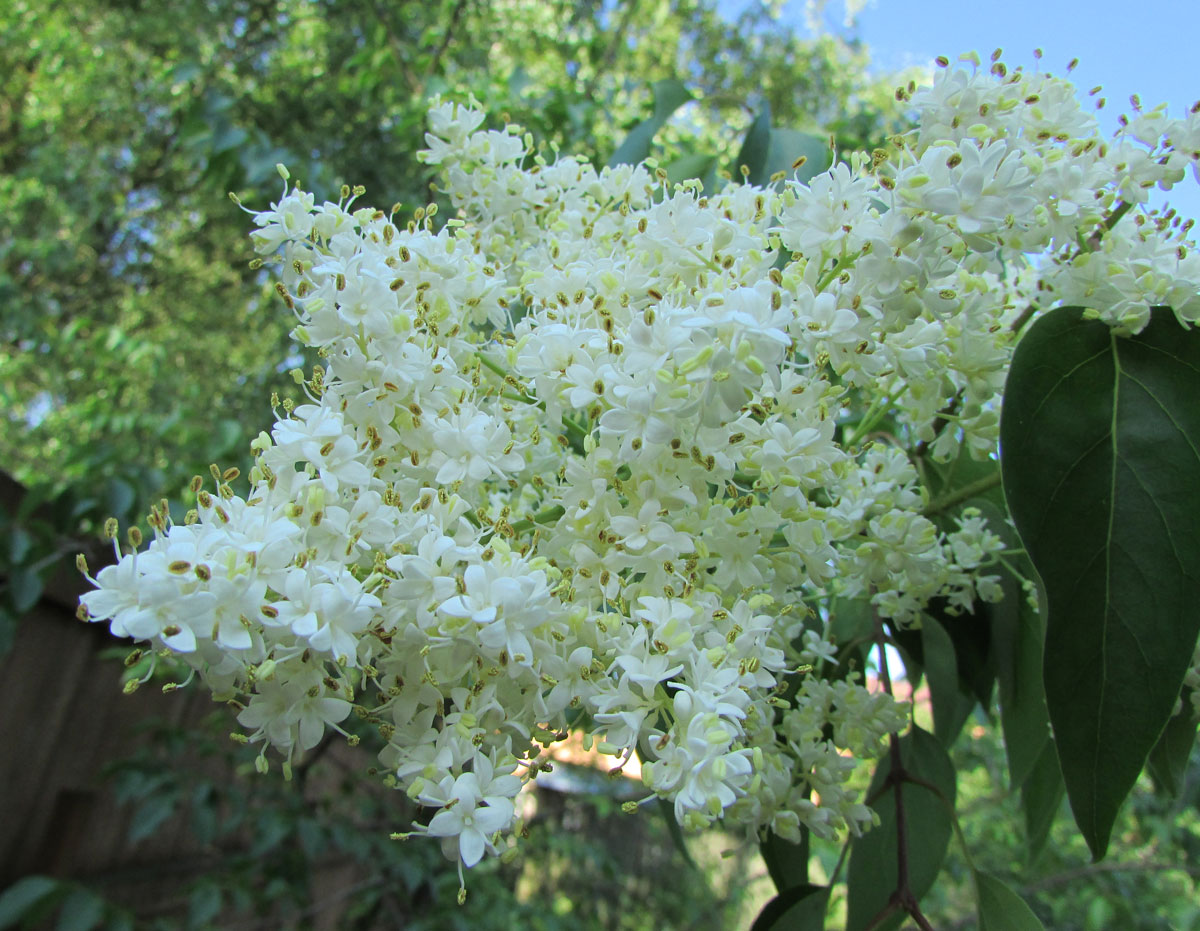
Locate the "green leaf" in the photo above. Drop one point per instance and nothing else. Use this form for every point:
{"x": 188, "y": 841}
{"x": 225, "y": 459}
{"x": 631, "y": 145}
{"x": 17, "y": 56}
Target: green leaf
{"x": 1041, "y": 796}
{"x": 19, "y": 542}
{"x": 119, "y": 497}
{"x": 204, "y": 904}
{"x": 971, "y": 634}
{"x": 667, "y": 810}
{"x": 755, "y": 148}
{"x": 150, "y": 814}
{"x": 852, "y": 626}
{"x": 669, "y": 96}
{"x": 1168, "y": 760}
{"x": 227, "y": 437}
{"x": 766, "y": 151}
{"x": 696, "y": 165}
{"x": 1017, "y": 633}
{"x": 800, "y": 908}
{"x": 19, "y": 899}
{"x": 25, "y": 587}
{"x": 8, "y": 629}
{"x": 787, "y": 862}
{"x": 81, "y": 911}
{"x": 1001, "y": 909}
{"x": 951, "y": 706}
{"x": 1101, "y": 461}
{"x": 873, "y": 871}
{"x": 786, "y": 146}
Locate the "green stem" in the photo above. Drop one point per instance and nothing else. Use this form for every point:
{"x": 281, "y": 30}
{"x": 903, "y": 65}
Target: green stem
{"x": 494, "y": 366}
{"x": 548, "y": 516}
{"x": 959, "y": 495}
{"x": 875, "y": 413}
{"x": 845, "y": 262}
{"x": 709, "y": 262}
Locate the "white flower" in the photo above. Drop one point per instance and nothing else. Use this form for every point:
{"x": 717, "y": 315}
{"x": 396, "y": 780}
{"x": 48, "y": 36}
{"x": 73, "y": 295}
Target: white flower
{"x": 475, "y": 806}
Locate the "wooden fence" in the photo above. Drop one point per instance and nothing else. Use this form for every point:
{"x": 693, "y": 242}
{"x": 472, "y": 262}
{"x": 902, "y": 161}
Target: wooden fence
{"x": 64, "y": 722}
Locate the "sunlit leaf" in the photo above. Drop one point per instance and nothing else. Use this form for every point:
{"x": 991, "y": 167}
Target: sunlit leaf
{"x": 756, "y": 145}
{"x": 669, "y": 96}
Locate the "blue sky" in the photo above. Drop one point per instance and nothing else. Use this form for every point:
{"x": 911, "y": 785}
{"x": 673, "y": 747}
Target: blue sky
{"x": 1149, "y": 47}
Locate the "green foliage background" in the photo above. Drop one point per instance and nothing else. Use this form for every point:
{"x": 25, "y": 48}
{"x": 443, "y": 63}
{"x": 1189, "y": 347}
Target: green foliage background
{"x": 134, "y": 350}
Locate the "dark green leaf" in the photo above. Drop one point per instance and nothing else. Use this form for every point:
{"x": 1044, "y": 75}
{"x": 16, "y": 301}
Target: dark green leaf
{"x": 1017, "y": 632}
{"x": 270, "y": 831}
{"x": 204, "y": 904}
{"x": 873, "y": 873}
{"x": 801, "y": 908}
{"x": 971, "y": 634}
{"x": 787, "y": 862}
{"x": 755, "y": 149}
{"x": 1001, "y": 909}
{"x": 852, "y": 626}
{"x": 667, "y": 810}
{"x": 851, "y": 620}
{"x": 696, "y": 165}
{"x": 19, "y": 899}
{"x": 911, "y": 647}
{"x": 1101, "y": 460}
{"x": 150, "y": 814}
{"x": 1041, "y": 797}
{"x": 19, "y": 542}
{"x": 119, "y": 497}
{"x": 25, "y": 587}
{"x": 8, "y": 629}
{"x": 81, "y": 911}
{"x": 951, "y": 706}
{"x": 669, "y": 96}
{"x": 786, "y": 146}
{"x": 1168, "y": 760}
{"x": 228, "y": 436}
{"x": 204, "y": 813}
{"x": 227, "y": 136}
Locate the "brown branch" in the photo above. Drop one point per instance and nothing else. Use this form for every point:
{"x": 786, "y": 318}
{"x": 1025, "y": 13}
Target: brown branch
{"x": 1092, "y": 869}
{"x": 902, "y": 896}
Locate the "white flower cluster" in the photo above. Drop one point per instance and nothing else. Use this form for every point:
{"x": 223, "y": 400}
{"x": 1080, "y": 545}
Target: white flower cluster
{"x": 603, "y": 455}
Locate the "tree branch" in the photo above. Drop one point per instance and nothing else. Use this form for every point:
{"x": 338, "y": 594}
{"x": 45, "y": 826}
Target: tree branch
{"x": 902, "y": 896}
{"x": 959, "y": 495}
{"x": 447, "y": 36}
